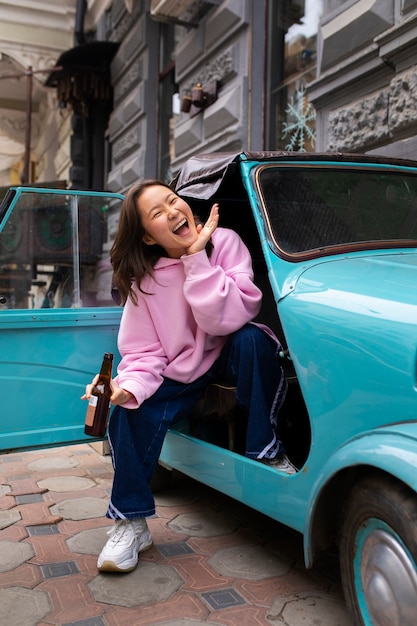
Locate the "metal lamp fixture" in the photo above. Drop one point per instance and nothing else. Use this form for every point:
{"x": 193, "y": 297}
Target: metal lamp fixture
{"x": 200, "y": 98}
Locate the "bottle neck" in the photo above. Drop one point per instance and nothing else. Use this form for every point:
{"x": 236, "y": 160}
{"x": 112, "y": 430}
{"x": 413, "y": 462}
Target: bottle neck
{"x": 106, "y": 367}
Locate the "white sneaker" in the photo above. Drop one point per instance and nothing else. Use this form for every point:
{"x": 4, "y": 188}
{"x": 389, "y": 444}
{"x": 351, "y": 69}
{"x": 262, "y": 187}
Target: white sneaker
{"x": 283, "y": 464}
{"x": 127, "y": 539}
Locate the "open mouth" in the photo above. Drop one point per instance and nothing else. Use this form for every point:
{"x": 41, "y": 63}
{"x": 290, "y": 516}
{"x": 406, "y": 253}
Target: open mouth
{"x": 181, "y": 228}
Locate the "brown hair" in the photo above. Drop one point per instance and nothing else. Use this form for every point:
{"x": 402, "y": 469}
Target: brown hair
{"x": 131, "y": 258}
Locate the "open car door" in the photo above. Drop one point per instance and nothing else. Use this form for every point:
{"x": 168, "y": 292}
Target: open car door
{"x": 55, "y": 323}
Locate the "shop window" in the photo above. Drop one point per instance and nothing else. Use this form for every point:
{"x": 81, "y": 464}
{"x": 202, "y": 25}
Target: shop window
{"x": 292, "y": 64}
{"x": 167, "y": 98}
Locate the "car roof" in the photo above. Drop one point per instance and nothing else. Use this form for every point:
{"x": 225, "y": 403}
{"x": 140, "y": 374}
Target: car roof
{"x": 202, "y": 174}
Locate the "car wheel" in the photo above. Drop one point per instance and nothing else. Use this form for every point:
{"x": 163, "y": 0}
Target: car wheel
{"x": 378, "y": 553}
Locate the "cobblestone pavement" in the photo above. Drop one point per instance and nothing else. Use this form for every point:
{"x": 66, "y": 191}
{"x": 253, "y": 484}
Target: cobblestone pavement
{"x": 213, "y": 562}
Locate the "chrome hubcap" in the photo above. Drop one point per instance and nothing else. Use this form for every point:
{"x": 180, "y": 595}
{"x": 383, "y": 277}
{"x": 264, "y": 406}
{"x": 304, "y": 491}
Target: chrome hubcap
{"x": 388, "y": 580}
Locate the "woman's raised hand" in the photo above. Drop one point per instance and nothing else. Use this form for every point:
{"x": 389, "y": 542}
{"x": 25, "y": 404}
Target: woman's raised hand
{"x": 206, "y": 231}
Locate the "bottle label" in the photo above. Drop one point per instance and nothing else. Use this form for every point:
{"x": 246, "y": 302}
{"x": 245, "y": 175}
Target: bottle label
{"x": 91, "y": 409}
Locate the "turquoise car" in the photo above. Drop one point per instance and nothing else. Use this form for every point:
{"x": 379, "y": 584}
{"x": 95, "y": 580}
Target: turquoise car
{"x": 334, "y": 245}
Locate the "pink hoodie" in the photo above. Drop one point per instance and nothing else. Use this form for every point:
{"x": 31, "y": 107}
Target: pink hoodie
{"x": 180, "y": 325}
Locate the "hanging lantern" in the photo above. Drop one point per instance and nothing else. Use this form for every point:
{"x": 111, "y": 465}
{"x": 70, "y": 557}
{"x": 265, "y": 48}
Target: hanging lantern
{"x": 85, "y": 76}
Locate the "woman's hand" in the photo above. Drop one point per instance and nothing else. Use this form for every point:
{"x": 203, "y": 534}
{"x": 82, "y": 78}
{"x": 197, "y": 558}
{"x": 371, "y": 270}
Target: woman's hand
{"x": 89, "y": 388}
{"x": 206, "y": 231}
{"x": 118, "y": 396}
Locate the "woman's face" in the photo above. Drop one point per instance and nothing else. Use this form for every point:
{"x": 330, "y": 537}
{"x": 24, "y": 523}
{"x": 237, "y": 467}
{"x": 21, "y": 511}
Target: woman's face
{"x": 167, "y": 220}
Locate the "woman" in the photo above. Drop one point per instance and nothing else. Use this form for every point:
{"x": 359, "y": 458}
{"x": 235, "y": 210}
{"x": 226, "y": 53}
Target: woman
{"x": 189, "y": 299}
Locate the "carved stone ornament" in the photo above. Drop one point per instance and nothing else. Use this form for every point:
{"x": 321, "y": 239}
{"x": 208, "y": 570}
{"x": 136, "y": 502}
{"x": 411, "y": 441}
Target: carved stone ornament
{"x": 218, "y": 69}
{"x": 13, "y": 126}
{"x": 36, "y": 57}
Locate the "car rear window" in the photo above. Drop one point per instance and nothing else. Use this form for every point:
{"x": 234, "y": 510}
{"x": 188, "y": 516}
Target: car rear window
{"x": 314, "y": 209}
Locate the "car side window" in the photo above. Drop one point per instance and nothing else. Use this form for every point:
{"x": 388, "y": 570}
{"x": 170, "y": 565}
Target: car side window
{"x": 53, "y": 251}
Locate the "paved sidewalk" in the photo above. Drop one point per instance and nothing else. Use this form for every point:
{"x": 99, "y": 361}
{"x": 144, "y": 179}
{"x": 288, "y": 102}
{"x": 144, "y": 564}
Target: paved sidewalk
{"x": 214, "y": 561}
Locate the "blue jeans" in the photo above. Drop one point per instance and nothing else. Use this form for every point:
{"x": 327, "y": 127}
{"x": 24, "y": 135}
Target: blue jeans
{"x": 249, "y": 362}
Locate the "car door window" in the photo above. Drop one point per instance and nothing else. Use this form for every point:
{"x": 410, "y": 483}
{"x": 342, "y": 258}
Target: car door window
{"x": 54, "y": 251}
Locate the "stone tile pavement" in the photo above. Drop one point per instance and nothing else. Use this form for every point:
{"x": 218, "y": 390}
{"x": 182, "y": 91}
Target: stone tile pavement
{"x": 213, "y": 562}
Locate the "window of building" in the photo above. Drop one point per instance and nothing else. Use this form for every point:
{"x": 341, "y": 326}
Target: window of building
{"x": 292, "y": 63}
{"x": 167, "y": 91}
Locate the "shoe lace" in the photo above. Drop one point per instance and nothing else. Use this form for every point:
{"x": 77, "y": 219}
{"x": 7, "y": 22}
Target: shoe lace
{"x": 118, "y": 531}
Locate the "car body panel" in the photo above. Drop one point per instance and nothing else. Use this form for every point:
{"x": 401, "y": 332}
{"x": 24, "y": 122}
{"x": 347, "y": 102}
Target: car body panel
{"x": 48, "y": 382}
{"x": 241, "y": 478}
{"x": 392, "y": 449}
{"x": 345, "y": 384}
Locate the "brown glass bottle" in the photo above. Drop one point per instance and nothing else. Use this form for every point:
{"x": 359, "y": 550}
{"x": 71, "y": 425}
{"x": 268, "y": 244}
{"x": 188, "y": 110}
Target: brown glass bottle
{"x": 99, "y": 404}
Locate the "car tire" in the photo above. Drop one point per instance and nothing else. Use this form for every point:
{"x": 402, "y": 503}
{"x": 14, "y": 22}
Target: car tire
{"x": 378, "y": 553}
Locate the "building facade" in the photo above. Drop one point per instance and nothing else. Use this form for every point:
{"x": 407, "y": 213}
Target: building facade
{"x": 31, "y": 39}
{"x": 366, "y": 86}
{"x": 145, "y": 84}
{"x": 236, "y": 55}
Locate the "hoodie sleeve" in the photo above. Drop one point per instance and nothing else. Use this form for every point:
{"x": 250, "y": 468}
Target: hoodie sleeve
{"x": 143, "y": 357}
{"x": 220, "y": 290}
